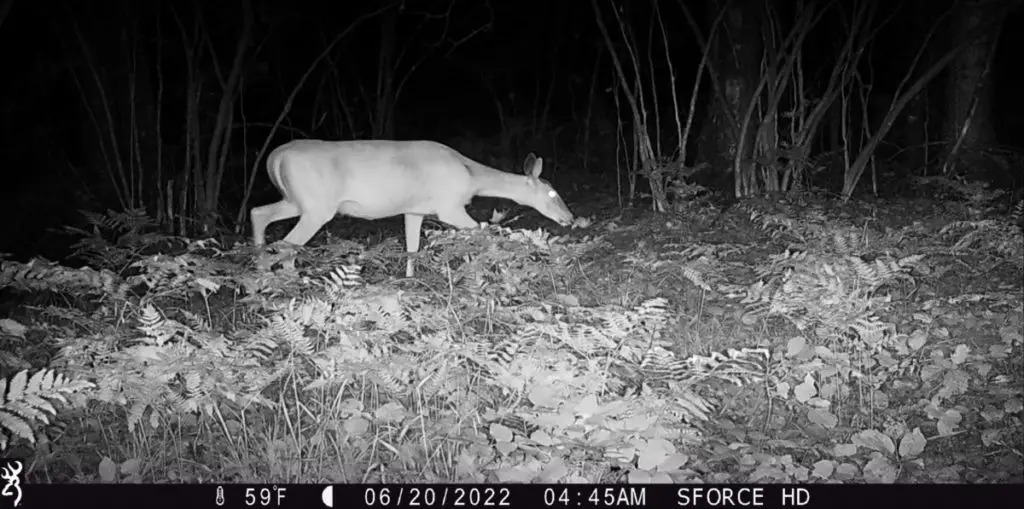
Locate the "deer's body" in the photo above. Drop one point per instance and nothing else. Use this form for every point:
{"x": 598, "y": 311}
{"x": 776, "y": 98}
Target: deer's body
{"x": 378, "y": 179}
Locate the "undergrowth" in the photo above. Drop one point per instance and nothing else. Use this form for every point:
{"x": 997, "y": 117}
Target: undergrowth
{"x": 499, "y": 362}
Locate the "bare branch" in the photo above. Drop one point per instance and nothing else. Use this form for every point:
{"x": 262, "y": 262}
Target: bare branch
{"x": 444, "y": 34}
{"x": 857, "y": 169}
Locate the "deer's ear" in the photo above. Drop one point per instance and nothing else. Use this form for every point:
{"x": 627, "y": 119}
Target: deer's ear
{"x": 533, "y": 165}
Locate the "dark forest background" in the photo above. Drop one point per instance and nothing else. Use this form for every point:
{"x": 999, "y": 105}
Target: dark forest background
{"x": 169, "y": 107}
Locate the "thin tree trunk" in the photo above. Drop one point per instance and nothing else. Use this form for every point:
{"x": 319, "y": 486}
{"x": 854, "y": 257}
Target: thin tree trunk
{"x": 968, "y": 125}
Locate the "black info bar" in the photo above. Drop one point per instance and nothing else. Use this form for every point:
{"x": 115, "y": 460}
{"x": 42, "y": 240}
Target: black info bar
{"x": 554, "y": 496}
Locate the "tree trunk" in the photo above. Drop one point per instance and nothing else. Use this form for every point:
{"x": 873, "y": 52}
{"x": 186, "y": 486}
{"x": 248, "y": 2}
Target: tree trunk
{"x": 735, "y": 54}
{"x": 968, "y": 125}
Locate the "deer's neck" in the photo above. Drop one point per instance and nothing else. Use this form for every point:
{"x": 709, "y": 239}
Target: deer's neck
{"x": 498, "y": 184}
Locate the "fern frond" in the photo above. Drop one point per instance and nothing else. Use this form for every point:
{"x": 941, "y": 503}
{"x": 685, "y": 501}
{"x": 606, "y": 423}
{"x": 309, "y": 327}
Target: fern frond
{"x": 26, "y": 400}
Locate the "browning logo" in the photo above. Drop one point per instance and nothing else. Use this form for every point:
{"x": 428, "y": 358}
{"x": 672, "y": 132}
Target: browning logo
{"x": 10, "y": 474}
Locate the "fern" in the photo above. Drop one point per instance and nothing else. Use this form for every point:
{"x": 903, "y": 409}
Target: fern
{"x": 116, "y": 239}
{"x": 1017, "y": 214}
{"x": 998, "y": 237}
{"x": 27, "y": 401}
{"x": 291, "y": 334}
{"x": 42, "y": 275}
{"x": 827, "y": 293}
{"x": 340, "y": 279}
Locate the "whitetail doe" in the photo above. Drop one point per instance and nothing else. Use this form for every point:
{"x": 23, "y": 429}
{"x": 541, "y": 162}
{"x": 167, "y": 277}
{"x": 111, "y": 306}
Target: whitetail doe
{"x": 377, "y": 179}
